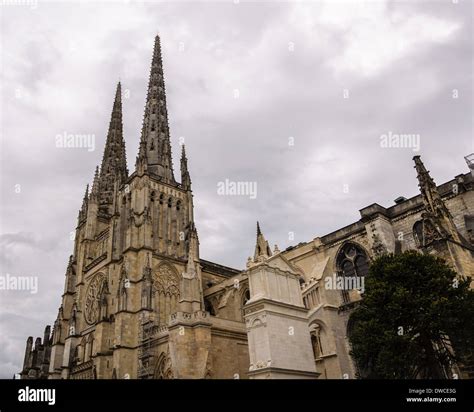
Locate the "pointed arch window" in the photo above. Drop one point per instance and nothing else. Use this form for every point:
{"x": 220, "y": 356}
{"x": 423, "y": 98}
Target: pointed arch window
{"x": 245, "y": 299}
{"x": 165, "y": 292}
{"x": 418, "y": 233}
{"x": 351, "y": 262}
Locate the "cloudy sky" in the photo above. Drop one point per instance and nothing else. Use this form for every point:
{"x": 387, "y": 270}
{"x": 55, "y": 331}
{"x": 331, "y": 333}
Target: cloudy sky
{"x": 294, "y": 96}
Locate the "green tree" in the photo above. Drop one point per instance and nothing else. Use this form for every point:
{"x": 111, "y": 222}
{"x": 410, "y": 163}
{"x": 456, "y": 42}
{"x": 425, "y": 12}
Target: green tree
{"x": 412, "y": 303}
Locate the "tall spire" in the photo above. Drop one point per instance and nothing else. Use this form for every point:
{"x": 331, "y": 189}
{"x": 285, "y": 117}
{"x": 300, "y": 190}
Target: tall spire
{"x": 155, "y": 146}
{"x": 114, "y": 161}
{"x": 185, "y": 177}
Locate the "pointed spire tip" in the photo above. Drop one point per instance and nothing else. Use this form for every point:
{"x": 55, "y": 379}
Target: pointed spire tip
{"x": 259, "y": 232}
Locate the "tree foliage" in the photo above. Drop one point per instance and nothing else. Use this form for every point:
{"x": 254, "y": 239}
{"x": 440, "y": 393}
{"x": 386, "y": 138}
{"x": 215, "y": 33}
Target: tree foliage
{"x": 413, "y": 313}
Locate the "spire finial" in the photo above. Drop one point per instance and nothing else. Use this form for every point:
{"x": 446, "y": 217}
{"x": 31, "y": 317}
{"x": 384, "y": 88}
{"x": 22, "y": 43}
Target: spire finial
{"x": 262, "y": 249}
{"x": 86, "y": 194}
{"x": 95, "y": 184}
{"x": 428, "y": 189}
{"x": 185, "y": 177}
{"x": 96, "y": 178}
{"x": 423, "y": 174}
{"x": 85, "y": 202}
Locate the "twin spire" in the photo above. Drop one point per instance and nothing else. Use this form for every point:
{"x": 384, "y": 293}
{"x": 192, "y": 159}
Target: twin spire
{"x": 114, "y": 161}
{"x": 154, "y": 154}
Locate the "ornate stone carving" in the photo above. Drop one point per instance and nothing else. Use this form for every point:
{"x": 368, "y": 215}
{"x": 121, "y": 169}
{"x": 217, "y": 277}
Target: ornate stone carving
{"x": 165, "y": 292}
{"x": 260, "y": 365}
{"x": 93, "y": 296}
{"x": 166, "y": 280}
{"x": 164, "y": 367}
{"x": 429, "y": 231}
{"x": 139, "y": 218}
{"x": 256, "y": 321}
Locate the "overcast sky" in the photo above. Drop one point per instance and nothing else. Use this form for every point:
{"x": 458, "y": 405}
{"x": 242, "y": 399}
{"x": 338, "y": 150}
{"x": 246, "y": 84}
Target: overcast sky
{"x": 294, "y": 96}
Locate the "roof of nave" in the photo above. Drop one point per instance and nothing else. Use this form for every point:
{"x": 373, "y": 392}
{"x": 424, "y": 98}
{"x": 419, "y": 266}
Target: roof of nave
{"x": 212, "y": 267}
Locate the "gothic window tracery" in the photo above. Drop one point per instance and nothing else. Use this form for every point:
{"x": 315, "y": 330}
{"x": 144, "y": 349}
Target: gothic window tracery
{"x": 163, "y": 368}
{"x": 94, "y": 298}
{"x": 351, "y": 262}
{"x": 165, "y": 292}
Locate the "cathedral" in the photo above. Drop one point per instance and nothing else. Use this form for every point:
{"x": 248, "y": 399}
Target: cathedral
{"x": 140, "y": 303}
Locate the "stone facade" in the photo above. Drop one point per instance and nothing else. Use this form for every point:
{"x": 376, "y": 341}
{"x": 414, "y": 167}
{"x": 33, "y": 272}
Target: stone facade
{"x": 139, "y": 302}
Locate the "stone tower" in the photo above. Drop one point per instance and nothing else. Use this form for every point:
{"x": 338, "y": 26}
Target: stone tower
{"x": 276, "y": 319}
{"x": 136, "y": 253}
